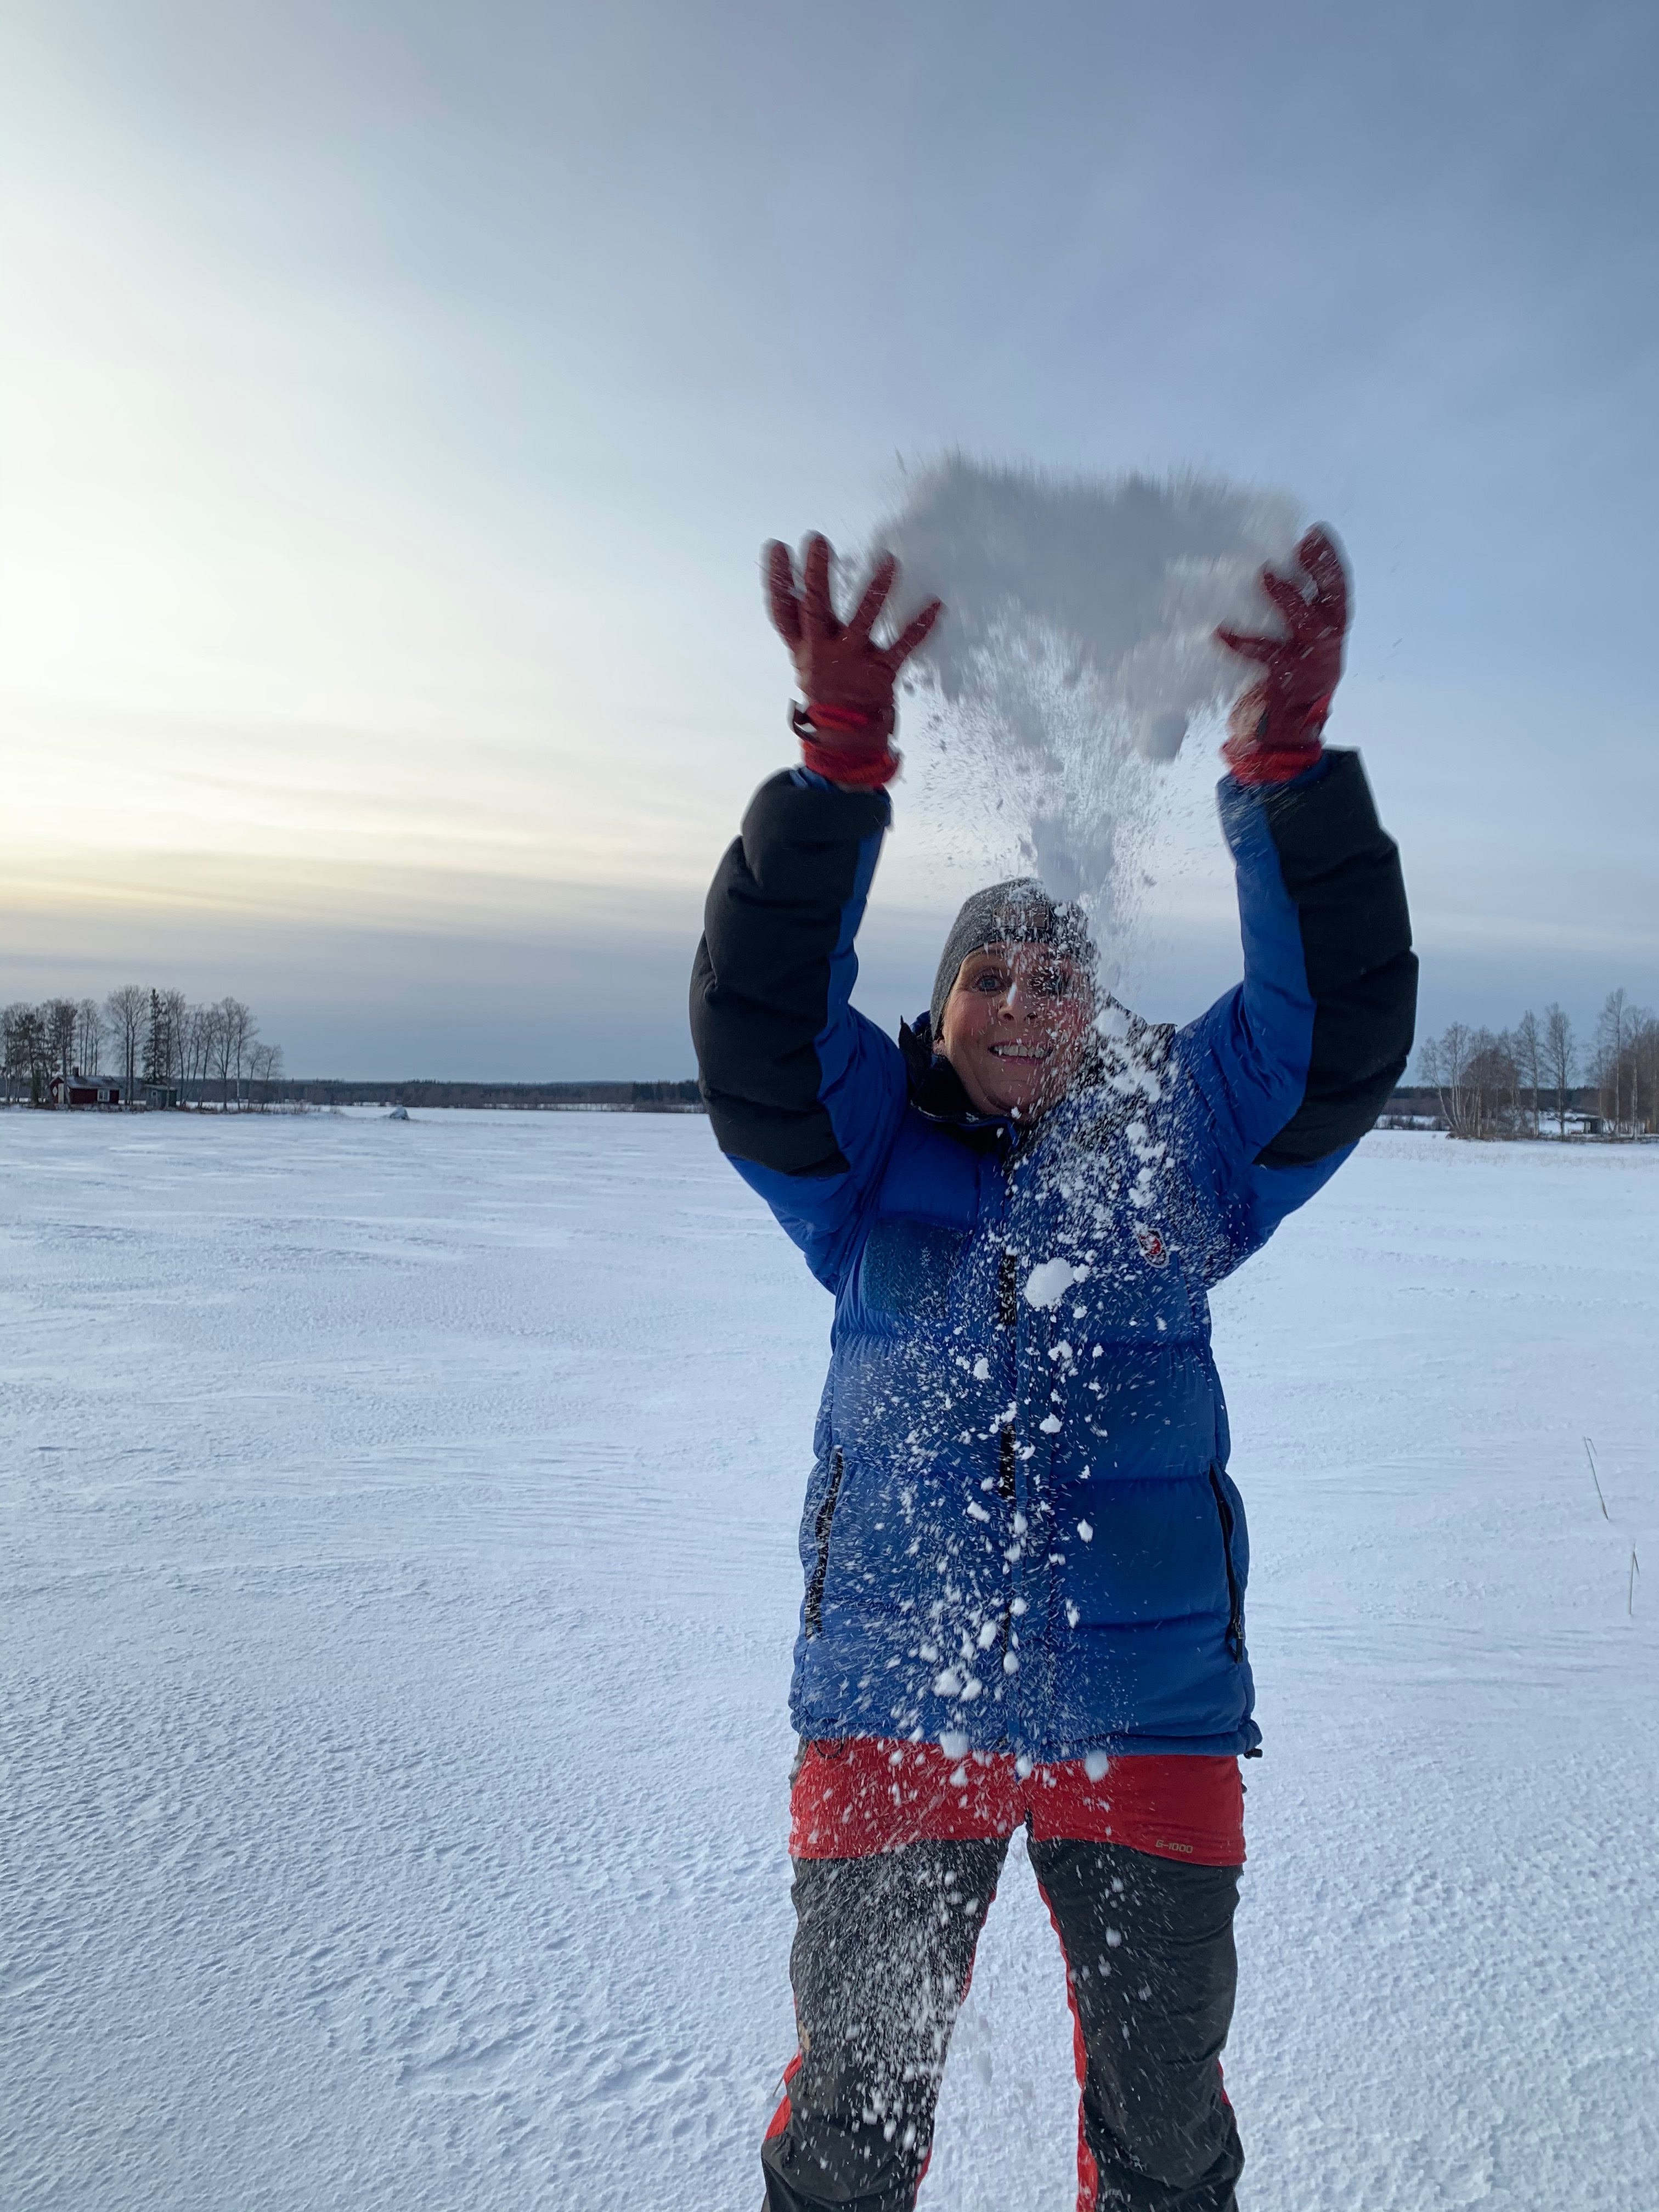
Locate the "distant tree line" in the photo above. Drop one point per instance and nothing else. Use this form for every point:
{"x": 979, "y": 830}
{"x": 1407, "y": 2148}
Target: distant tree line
{"x": 670, "y": 1096}
{"x": 140, "y": 1038}
{"x": 1517, "y": 1083}
{"x": 145, "y": 1040}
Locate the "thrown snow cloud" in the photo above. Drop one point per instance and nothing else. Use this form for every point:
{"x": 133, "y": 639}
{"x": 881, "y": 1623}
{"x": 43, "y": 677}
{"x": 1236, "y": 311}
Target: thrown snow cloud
{"x": 1078, "y": 642}
{"x": 1126, "y": 577}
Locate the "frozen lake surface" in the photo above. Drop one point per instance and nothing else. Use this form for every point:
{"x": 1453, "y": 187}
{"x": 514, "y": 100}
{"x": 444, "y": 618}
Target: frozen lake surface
{"x": 398, "y": 1588}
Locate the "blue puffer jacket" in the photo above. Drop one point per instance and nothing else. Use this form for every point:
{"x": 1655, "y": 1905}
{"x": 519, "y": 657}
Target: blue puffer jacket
{"x": 1020, "y": 1533}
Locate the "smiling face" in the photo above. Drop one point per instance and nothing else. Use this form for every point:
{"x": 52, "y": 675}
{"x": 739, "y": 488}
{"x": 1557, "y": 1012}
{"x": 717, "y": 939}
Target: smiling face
{"x": 1015, "y": 1028}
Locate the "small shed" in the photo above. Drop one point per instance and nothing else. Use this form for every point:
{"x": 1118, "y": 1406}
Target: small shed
{"x": 158, "y": 1096}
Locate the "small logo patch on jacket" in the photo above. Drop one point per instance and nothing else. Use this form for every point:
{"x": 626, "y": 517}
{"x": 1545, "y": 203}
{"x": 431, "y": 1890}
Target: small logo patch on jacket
{"x": 1152, "y": 1243}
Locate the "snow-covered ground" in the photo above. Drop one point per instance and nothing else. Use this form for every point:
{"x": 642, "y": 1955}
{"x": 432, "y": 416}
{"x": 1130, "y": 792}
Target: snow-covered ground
{"x": 398, "y": 1585}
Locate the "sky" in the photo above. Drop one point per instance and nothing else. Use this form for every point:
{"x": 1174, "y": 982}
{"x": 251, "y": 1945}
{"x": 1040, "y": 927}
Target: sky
{"x": 397, "y": 395}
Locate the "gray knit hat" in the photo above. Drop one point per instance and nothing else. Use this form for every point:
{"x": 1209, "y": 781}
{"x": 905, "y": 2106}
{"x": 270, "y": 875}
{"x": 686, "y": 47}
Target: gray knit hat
{"x": 1018, "y": 912}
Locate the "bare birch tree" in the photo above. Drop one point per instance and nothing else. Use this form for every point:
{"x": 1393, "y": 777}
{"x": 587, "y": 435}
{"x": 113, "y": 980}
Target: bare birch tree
{"x": 126, "y": 1009}
{"x": 233, "y": 1028}
{"x": 244, "y": 1029}
{"x": 1560, "y": 1060}
{"x": 1641, "y": 1053}
{"x": 208, "y": 1040}
{"x": 1644, "y": 1053}
{"x": 1611, "y": 1030}
{"x": 1444, "y": 1062}
{"x": 89, "y": 1033}
{"x": 1493, "y": 1083}
{"x": 265, "y": 1071}
{"x": 207, "y": 1046}
{"x": 1527, "y": 1045}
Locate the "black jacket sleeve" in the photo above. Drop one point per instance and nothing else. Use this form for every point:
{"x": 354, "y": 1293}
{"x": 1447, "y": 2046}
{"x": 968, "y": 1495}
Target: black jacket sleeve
{"x": 769, "y": 985}
{"x": 1341, "y": 869}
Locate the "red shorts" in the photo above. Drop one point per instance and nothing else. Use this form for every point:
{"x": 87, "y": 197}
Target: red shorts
{"x": 854, "y": 1796}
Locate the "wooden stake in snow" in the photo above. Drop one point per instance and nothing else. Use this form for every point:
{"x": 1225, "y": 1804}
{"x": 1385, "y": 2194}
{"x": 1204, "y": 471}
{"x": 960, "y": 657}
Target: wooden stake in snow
{"x": 1596, "y": 1479}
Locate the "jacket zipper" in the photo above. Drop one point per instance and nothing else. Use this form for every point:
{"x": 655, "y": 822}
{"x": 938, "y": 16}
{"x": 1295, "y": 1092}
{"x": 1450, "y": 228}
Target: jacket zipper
{"x": 1235, "y": 1601}
{"x": 1007, "y": 1475}
{"x": 1007, "y": 1318}
{"x": 821, "y": 1526}
{"x": 1008, "y": 1289}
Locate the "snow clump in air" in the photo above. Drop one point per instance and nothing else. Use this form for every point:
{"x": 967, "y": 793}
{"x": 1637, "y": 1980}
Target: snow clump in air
{"x": 1077, "y": 649}
{"x": 1047, "y": 1283}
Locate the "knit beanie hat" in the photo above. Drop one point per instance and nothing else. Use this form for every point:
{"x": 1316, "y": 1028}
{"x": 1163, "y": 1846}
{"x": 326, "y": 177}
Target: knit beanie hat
{"x": 1018, "y": 912}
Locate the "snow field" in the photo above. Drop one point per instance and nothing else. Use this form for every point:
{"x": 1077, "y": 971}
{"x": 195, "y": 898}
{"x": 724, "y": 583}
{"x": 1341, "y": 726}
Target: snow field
{"x": 398, "y": 1582}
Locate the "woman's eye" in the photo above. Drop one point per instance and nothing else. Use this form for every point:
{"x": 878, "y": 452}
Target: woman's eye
{"x": 990, "y": 981}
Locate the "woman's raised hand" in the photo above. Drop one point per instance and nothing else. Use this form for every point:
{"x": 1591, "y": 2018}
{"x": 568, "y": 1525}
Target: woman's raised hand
{"x": 1276, "y": 725}
{"x": 845, "y": 677}
{"x": 1299, "y": 672}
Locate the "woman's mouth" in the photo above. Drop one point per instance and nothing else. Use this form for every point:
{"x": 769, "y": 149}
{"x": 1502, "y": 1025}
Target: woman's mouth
{"x": 1026, "y": 1051}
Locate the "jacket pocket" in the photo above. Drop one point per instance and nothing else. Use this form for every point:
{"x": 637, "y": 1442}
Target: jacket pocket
{"x": 1235, "y": 1595}
{"x": 825, "y": 1522}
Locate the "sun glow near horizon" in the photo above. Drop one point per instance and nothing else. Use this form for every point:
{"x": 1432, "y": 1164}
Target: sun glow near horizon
{"x": 394, "y": 407}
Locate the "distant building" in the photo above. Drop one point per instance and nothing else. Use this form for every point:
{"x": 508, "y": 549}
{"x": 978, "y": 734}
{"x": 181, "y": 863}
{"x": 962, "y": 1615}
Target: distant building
{"x": 160, "y": 1096}
{"x": 85, "y": 1090}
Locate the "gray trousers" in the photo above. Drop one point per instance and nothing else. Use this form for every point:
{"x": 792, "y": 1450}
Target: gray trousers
{"x": 883, "y": 1950}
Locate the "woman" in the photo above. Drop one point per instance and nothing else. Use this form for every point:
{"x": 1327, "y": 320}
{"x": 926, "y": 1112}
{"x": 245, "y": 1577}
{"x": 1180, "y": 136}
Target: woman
{"x": 1024, "y": 1561}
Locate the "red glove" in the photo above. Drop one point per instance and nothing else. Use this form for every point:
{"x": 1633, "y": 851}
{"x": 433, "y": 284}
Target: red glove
{"x": 846, "y": 726}
{"x": 1276, "y": 724}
